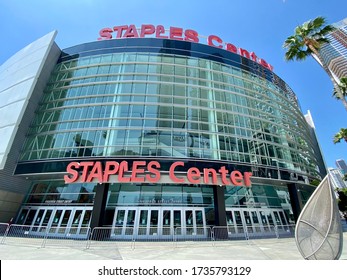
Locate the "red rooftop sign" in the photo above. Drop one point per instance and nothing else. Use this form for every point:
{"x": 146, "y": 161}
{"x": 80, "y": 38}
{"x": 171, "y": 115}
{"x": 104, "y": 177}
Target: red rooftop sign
{"x": 149, "y": 172}
{"x": 175, "y": 33}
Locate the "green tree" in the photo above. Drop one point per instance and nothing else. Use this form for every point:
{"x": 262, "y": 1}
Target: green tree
{"x": 342, "y": 134}
{"x": 306, "y": 41}
{"x": 343, "y": 89}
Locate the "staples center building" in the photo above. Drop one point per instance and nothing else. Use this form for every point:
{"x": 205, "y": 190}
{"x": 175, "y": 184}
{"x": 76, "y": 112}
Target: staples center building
{"x": 148, "y": 131}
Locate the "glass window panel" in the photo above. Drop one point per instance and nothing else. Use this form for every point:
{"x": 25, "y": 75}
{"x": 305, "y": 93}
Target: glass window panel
{"x": 39, "y": 217}
{"x": 120, "y": 217}
{"x": 65, "y": 218}
{"x": 229, "y": 216}
{"x": 131, "y": 218}
{"x": 166, "y": 218}
{"x": 46, "y": 218}
{"x": 86, "y": 218}
{"x": 143, "y": 217}
{"x": 199, "y": 218}
{"x": 154, "y": 222}
{"x": 77, "y": 218}
{"x": 189, "y": 218}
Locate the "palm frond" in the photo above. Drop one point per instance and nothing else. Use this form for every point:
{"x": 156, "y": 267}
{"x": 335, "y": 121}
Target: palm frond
{"x": 306, "y": 38}
{"x": 318, "y": 22}
{"x": 327, "y": 29}
{"x": 342, "y": 134}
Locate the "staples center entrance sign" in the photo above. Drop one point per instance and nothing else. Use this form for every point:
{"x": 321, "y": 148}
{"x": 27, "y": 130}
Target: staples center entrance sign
{"x": 149, "y": 172}
{"x": 175, "y": 33}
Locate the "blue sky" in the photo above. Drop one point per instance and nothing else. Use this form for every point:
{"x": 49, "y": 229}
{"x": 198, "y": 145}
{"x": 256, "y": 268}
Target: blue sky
{"x": 259, "y": 26}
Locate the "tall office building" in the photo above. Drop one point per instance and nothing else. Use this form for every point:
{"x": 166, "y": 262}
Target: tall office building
{"x": 318, "y": 152}
{"x": 336, "y": 177}
{"x": 341, "y": 164}
{"x": 334, "y": 54}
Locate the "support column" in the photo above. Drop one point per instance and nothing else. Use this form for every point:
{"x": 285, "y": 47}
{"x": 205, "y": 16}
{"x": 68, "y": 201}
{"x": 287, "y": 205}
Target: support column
{"x": 99, "y": 205}
{"x": 295, "y": 200}
{"x": 220, "y": 213}
{"x": 219, "y": 206}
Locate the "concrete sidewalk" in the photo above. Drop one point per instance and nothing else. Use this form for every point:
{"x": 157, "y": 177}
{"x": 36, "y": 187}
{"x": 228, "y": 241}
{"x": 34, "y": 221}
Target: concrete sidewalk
{"x": 258, "y": 249}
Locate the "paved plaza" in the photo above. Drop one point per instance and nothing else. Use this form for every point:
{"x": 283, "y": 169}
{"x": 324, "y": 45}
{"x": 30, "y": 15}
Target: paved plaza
{"x": 257, "y": 249}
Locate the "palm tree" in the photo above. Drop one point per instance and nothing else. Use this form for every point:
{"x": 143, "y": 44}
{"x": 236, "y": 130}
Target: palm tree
{"x": 307, "y": 40}
{"x": 342, "y": 134}
{"x": 343, "y": 88}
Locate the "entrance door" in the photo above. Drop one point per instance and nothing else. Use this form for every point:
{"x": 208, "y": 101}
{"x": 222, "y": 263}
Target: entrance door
{"x": 157, "y": 222}
{"x": 129, "y": 222}
{"x": 254, "y": 220}
{"x": 194, "y": 222}
{"x": 57, "y": 221}
{"x": 124, "y": 221}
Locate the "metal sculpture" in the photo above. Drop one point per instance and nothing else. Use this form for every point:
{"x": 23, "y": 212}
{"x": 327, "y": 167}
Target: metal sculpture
{"x": 318, "y": 232}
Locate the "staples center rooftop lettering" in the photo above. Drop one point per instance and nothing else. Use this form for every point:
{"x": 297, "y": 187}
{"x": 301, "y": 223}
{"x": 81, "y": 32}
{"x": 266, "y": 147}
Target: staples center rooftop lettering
{"x": 149, "y": 172}
{"x": 175, "y": 33}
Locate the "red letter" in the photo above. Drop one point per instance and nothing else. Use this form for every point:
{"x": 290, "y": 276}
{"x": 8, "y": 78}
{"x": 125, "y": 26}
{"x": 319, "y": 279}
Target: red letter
{"x": 245, "y": 53}
{"x": 191, "y": 36}
{"x": 72, "y": 172}
{"x": 176, "y": 33}
{"x": 172, "y": 172}
{"x": 236, "y": 178}
{"x": 231, "y": 48}
{"x": 119, "y": 30}
{"x": 193, "y": 175}
{"x": 214, "y": 38}
{"x": 247, "y": 178}
{"x": 109, "y": 171}
{"x": 206, "y": 175}
{"x": 154, "y": 171}
{"x": 160, "y": 30}
{"x": 265, "y": 64}
{"x": 254, "y": 57}
{"x": 131, "y": 32}
{"x": 123, "y": 166}
{"x": 85, "y": 165}
{"x": 96, "y": 172}
{"x": 136, "y": 170}
{"x": 105, "y": 34}
{"x": 147, "y": 29}
{"x": 223, "y": 173}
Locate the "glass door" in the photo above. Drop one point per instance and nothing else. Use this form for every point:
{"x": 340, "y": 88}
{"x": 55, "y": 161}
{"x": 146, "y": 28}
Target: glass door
{"x": 70, "y": 221}
{"x": 157, "y": 222}
{"x": 154, "y": 222}
{"x": 230, "y": 222}
{"x": 167, "y": 225}
{"x": 125, "y": 222}
{"x": 246, "y": 221}
{"x": 143, "y": 223}
{"x": 194, "y": 221}
{"x": 57, "y": 220}
{"x": 177, "y": 221}
{"x": 42, "y": 219}
{"x": 118, "y": 222}
{"x": 254, "y": 220}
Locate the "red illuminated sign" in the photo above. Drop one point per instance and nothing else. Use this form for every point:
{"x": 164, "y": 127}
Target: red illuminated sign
{"x": 143, "y": 172}
{"x": 175, "y": 33}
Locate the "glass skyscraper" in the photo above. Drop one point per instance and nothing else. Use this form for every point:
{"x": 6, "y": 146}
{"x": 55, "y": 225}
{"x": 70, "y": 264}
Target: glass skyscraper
{"x": 341, "y": 165}
{"x": 334, "y": 54}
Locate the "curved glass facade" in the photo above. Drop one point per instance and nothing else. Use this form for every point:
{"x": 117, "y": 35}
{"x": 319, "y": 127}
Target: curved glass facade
{"x": 166, "y": 100}
{"x": 168, "y": 105}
